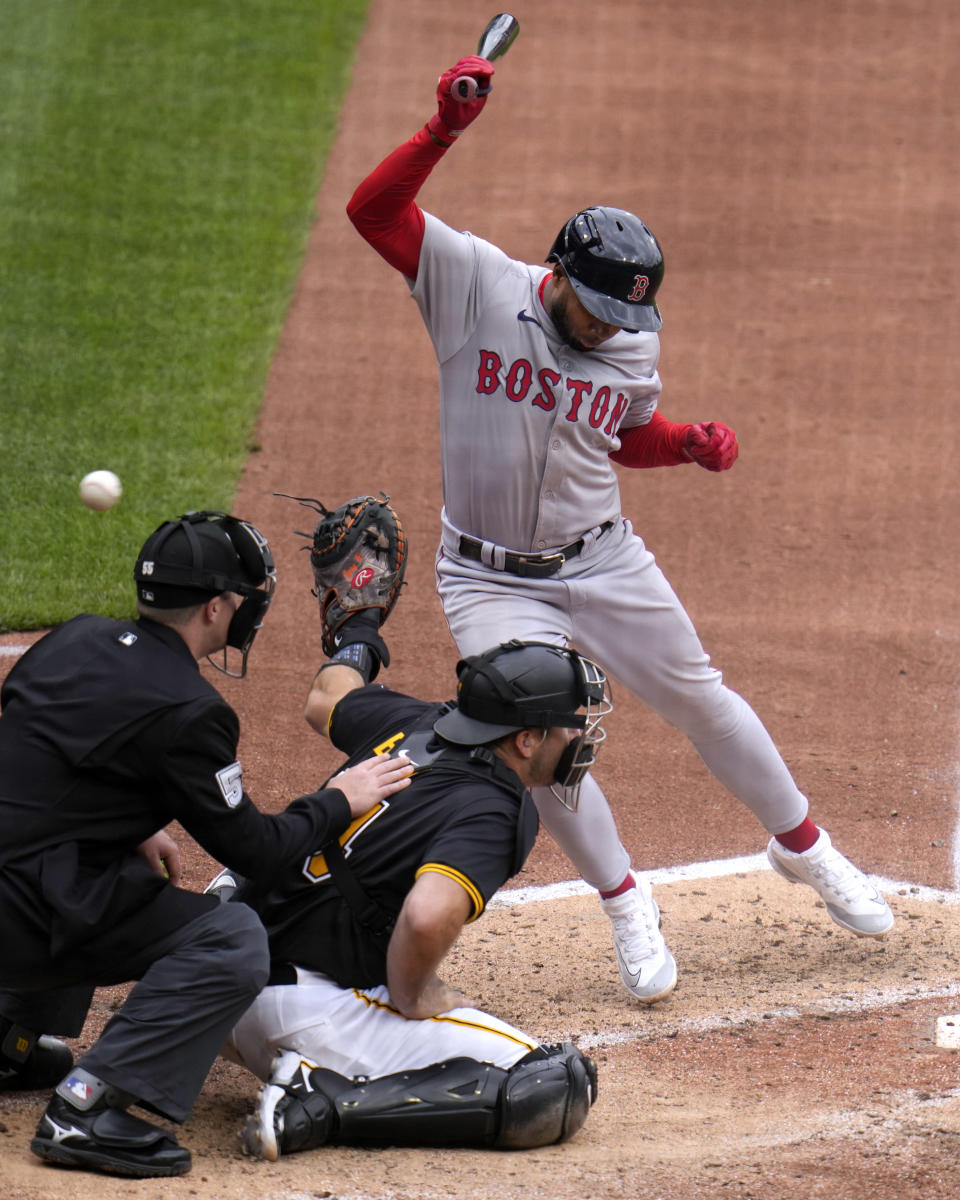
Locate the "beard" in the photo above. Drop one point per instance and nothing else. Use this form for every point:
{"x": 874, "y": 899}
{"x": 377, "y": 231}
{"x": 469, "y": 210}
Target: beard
{"x": 558, "y": 315}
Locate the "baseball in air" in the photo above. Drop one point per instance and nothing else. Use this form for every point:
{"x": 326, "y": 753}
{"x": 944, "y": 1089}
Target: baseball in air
{"x": 100, "y": 490}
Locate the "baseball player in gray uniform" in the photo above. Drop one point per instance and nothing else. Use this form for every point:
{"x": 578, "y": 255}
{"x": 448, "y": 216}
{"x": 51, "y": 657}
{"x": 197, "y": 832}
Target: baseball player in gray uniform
{"x": 548, "y": 376}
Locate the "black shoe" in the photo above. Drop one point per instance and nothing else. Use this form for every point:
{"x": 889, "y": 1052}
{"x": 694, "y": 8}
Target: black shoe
{"x": 44, "y": 1067}
{"x": 107, "y": 1139}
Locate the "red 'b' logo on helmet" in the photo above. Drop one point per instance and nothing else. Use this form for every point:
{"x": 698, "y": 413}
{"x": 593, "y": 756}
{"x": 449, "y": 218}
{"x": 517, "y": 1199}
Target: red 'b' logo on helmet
{"x": 640, "y": 285}
{"x": 362, "y": 577}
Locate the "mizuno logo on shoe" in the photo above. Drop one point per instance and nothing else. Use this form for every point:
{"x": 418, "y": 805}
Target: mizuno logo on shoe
{"x": 61, "y": 1134}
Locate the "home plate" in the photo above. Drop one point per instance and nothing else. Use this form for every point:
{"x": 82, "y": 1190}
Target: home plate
{"x": 948, "y": 1032}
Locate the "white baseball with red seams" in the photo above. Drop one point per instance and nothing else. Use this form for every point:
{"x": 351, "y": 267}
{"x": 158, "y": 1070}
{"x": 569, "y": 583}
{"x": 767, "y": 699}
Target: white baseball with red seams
{"x": 100, "y": 490}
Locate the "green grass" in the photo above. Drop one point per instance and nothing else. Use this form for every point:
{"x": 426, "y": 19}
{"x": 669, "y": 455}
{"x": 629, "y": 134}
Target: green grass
{"x": 159, "y": 162}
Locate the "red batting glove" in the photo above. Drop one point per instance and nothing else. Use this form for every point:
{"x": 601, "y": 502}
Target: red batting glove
{"x": 712, "y": 445}
{"x": 453, "y": 115}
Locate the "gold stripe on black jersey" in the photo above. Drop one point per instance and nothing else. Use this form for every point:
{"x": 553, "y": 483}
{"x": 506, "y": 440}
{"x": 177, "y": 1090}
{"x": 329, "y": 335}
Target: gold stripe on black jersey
{"x": 315, "y": 868}
{"x": 468, "y": 886}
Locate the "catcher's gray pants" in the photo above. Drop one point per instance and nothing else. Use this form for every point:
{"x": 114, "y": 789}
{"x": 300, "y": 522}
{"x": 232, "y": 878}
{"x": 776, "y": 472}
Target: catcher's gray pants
{"x": 193, "y": 987}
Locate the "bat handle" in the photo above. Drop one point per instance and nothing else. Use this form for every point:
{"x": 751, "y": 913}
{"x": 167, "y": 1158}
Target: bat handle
{"x": 464, "y": 89}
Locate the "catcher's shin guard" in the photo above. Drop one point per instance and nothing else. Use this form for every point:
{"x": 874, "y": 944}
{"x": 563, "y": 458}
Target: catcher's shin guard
{"x": 459, "y": 1102}
{"x": 452, "y": 1103}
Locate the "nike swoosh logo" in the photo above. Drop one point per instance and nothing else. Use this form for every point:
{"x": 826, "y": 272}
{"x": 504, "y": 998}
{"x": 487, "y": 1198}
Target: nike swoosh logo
{"x": 634, "y": 976}
{"x": 522, "y": 315}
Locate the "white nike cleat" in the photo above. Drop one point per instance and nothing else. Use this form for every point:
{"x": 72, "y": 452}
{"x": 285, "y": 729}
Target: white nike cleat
{"x": 647, "y": 967}
{"x": 258, "y": 1137}
{"x": 851, "y": 899}
{"x": 262, "y": 1131}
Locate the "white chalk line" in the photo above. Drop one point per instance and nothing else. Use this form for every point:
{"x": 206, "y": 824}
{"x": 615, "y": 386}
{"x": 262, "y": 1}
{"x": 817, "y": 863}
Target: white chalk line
{"x": 955, "y": 841}
{"x": 831, "y": 1005}
{"x": 828, "y": 1006}
{"x": 707, "y": 870}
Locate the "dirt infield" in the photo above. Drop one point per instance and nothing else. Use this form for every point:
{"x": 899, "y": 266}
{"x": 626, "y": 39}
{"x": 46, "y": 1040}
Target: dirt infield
{"x": 797, "y": 163}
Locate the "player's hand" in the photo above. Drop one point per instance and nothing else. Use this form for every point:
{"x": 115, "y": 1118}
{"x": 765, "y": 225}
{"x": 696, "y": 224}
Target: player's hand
{"x": 435, "y": 998}
{"x": 371, "y": 781}
{"x": 712, "y": 445}
{"x": 163, "y": 855}
{"x": 453, "y": 115}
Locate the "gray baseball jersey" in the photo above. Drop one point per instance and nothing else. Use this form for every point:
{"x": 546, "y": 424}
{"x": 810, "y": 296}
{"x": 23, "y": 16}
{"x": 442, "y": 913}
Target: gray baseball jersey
{"x": 527, "y": 423}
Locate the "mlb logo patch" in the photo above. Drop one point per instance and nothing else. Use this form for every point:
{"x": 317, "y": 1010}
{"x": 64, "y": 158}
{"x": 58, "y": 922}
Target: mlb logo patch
{"x": 77, "y": 1087}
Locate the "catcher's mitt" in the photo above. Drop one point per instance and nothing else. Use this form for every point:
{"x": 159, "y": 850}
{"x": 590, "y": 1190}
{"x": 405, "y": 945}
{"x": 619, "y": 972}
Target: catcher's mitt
{"x": 358, "y": 556}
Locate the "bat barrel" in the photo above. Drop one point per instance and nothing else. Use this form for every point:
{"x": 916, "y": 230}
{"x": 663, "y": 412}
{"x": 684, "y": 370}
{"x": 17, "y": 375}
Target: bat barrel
{"x": 495, "y": 41}
{"x": 498, "y": 37}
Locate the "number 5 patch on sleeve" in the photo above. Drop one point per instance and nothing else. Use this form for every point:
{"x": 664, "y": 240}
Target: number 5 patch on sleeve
{"x": 230, "y": 781}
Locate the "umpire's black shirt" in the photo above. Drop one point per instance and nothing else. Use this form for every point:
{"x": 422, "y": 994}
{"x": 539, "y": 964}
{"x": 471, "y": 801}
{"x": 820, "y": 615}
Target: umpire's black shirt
{"x": 108, "y": 733}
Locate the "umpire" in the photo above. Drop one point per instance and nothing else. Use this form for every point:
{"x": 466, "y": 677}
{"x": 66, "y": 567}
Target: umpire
{"x": 108, "y": 733}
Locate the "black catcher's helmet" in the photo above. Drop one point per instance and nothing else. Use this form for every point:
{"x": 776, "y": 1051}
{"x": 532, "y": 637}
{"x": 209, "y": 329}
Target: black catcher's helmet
{"x": 615, "y": 266}
{"x": 517, "y": 685}
{"x": 201, "y": 555}
{"x": 532, "y": 685}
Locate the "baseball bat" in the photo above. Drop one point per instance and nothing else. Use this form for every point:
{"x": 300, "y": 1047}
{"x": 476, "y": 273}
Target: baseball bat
{"x": 499, "y": 35}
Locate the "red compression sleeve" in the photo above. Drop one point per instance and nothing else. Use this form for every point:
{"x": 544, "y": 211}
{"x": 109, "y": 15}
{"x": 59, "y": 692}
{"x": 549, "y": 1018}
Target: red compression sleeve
{"x": 383, "y": 208}
{"x": 659, "y": 443}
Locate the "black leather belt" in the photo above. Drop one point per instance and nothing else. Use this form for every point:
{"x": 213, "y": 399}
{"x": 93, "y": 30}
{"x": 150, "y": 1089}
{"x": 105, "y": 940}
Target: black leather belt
{"x": 530, "y": 566}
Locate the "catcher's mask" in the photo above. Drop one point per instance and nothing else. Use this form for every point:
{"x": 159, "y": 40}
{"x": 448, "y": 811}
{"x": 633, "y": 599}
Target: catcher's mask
{"x": 204, "y": 554}
{"x": 614, "y": 265}
{"x": 532, "y": 685}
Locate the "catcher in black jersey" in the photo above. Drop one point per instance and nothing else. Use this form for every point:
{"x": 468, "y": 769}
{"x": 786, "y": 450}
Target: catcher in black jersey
{"x": 466, "y": 827}
{"x": 356, "y": 1036}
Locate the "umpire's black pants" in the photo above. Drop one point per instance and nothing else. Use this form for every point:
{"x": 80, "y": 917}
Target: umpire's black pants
{"x": 193, "y": 986}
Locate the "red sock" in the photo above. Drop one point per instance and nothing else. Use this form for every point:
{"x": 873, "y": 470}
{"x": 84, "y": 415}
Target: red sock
{"x": 627, "y": 884}
{"x": 801, "y": 838}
